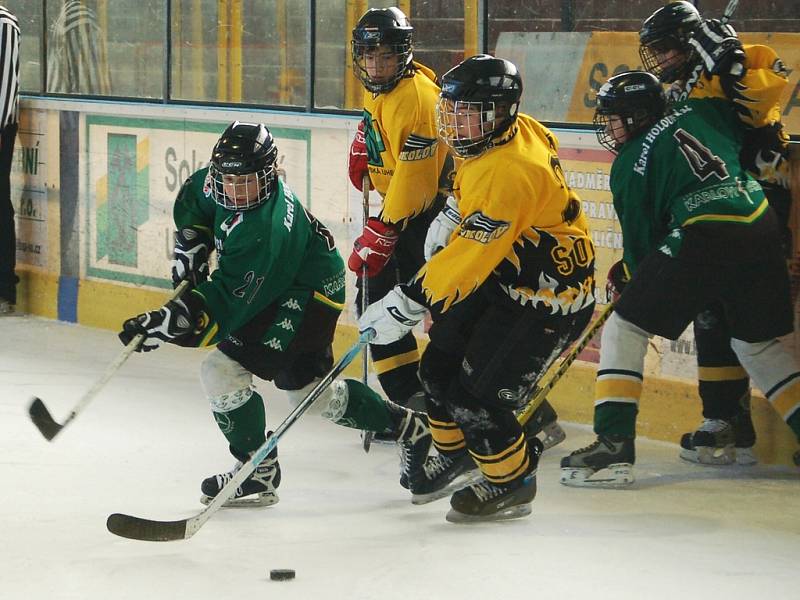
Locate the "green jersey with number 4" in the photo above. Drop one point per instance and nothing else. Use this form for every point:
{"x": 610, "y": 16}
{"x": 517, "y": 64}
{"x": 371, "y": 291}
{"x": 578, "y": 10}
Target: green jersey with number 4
{"x": 276, "y": 252}
{"x": 682, "y": 171}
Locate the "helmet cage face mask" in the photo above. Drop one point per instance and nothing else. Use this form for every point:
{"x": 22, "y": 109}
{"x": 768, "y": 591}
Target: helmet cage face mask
{"x": 669, "y": 28}
{"x": 242, "y": 172}
{"x": 469, "y": 127}
{"x": 240, "y": 192}
{"x": 636, "y": 107}
{"x": 361, "y": 50}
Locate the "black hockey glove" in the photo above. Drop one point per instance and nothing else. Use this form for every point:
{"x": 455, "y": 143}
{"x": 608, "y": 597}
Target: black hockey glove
{"x": 191, "y": 257}
{"x": 158, "y": 326}
{"x": 720, "y": 50}
{"x": 616, "y": 280}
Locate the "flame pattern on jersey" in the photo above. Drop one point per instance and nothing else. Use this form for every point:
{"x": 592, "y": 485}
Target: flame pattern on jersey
{"x": 406, "y": 160}
{"x": 522, "y": 226}
{"x": 756, "y": 97}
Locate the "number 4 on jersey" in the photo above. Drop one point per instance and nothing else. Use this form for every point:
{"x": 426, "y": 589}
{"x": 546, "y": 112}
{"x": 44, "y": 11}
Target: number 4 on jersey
{"x": 702, "y": 161}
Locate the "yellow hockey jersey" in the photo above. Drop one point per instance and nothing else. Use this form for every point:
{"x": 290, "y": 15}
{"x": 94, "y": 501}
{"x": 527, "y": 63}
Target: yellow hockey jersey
{"x": 756, "y": 96}
{"x": 407, "y": 163}
{"x": 520, "y": 225}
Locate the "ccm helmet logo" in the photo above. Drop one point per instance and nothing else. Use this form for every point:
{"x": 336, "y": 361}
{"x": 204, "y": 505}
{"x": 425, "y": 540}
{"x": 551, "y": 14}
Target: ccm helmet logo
{"x": 634, "y": 88}
{"x": 231, "y": 164}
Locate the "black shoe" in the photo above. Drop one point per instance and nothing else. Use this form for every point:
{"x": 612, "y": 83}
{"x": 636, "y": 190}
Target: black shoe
{"x": 260, "y": 489}
{"x": 485, "y": 501}
{"x": 414, "y": 442}
{"x": 441, "y": 475}
{"x": 608, "y": 461}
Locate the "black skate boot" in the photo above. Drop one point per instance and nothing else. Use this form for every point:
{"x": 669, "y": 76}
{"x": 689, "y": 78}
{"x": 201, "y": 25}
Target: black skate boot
{"x": 607, "y": 462}
{"x": 711, "y": 444}
{"x": 485, "y": 501}
{"x": 441, "y": 475}
{"x": 414, "y": 443}
{"x": 257, "y": 490}
{"x": 543, "y": 424}
{"x": 744, "y": 433}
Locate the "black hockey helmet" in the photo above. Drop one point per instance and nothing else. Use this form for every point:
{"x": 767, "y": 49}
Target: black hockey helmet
{"x": 636, "y": 97}
{"x": 387, "y": 27}
{"x": 478, "y": 103}
{"x": 242, "y": 166}
{"x": 669, "y": 28}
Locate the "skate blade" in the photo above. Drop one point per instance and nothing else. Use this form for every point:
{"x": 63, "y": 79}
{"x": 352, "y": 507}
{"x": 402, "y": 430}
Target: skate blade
{"x": 251, "y": 501}
{"x": 451, "y": 488}
{"x": 715, "y": 457}
{"x": 552, "y": 435}
{"x": 619, "y": 475}
{"x": 512, "y": 512}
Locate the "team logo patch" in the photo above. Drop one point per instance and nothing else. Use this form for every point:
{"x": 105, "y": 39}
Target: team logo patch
{"x": 481, "y": 228}
{"x": 418, "y": 148}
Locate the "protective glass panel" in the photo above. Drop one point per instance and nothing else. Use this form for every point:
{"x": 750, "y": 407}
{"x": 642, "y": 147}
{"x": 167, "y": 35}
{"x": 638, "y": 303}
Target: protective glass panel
{"x": 99, "y": 47}
{"x": 29, "y": 16}
{"x": 237, "y": 51}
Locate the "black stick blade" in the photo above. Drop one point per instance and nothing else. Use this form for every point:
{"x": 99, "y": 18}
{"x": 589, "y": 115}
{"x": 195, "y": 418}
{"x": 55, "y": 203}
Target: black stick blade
{"x": 43, "y": 420}
{"x": 146, "y": 530}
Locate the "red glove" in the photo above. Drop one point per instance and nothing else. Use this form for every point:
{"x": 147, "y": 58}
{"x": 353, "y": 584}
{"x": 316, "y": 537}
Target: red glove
{"x": 357, "y": 162}
{"x": 372, "y": 248}
{"x": 615, "y": 283}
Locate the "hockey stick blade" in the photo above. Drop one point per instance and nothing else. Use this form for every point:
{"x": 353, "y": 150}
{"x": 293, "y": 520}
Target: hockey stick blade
{"x": 43, "y": 420}
{"x": 135, "y": 528}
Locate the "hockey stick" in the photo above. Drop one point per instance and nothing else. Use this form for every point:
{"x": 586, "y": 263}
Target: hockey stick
{"x": 366, "y": 436}
{"x": 41, "y": 416}
{"x": 540, "y": 393}
{"x": 136, "y": 528}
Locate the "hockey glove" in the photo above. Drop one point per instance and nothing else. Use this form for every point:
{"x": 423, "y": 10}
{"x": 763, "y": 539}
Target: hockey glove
{"x": 442, "y": 228}
{"x": 158, "y": 326}
{"x": 357, "y": 161}
{"x": 615, "y": 283}
{"x": 392, "y": 317}
{"x": 720, "y": 50}
{"x": 191, "y": 257}
{"x": 372, "y": 248}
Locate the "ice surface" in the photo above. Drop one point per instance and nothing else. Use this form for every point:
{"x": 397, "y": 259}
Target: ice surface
{"x": 343, "y": 523}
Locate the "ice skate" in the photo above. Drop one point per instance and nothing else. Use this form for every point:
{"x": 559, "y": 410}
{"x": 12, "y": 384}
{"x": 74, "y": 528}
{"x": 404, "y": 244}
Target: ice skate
{"x": 711, "y": 444}
{"x": 257, "y": 490}
{"x": 607, "y": 462}
{"x": 543, "y": 424}
{"x": 441, "y": 475}
{"x": 485, "y": 501}
{"x": 414, "y": 443}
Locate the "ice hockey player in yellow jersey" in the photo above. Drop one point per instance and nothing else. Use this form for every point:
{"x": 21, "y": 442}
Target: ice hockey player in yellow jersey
{"x": 511, "y": 289}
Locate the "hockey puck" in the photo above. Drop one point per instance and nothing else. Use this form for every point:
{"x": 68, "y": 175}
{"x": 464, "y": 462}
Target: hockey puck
{"x": 281, "y": 574}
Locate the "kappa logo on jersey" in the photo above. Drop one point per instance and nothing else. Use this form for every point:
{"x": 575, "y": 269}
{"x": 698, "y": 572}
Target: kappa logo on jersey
{"x": 481, "y": 228}
{"x": 286, "y": 324}
{"x": 418, "y": 148}
{"x": 275, "y": 344}
{"x": 292, "y": 304}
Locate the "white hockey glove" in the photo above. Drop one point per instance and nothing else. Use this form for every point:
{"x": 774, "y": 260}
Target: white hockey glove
{"x": 719, "y": 48}
{"x": 391, "y": 317}
{"x": 441, "y": 228}
{"x": 158, "y": 326}
{"x": 191, "y": 257}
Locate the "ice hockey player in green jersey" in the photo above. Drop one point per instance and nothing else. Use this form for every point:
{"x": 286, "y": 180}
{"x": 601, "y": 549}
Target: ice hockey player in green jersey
{"x": 270, "y": 307}
{"x": 696, "y": 230}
